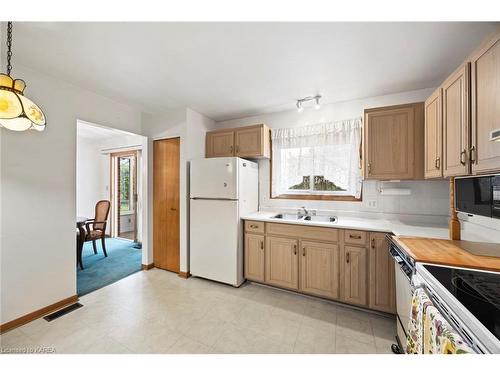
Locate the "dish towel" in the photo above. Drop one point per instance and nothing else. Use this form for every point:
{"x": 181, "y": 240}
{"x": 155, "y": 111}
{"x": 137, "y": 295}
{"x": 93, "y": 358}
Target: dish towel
{"x": 419, "y": 302}
{"x": 439, "y": 337}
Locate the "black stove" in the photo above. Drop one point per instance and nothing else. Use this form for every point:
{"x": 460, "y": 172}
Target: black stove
{"x": 478, "y": 292}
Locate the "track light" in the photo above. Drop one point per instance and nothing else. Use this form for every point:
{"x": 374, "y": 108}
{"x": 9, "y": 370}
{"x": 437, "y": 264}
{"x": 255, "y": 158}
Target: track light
{"x": 316, "y": 99}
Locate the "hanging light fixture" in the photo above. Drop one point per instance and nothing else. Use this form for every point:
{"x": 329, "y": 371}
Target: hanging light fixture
{"x": 17, "y": 112}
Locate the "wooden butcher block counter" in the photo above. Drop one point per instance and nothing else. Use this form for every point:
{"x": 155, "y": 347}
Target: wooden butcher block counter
{"x": 478, "y": 255}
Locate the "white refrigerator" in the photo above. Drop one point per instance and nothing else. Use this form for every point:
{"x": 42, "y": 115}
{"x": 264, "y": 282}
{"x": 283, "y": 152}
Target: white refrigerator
{"x": 221, "y": 191}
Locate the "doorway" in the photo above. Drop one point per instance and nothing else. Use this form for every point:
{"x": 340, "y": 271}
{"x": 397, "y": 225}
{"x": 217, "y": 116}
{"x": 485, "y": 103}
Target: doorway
{"x": 166, "y": 185}
{"x": 124, "y": 194}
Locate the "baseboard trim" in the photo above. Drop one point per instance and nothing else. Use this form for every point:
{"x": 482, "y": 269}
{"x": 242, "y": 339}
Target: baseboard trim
{"x": 184, "y": 275}
{"x": 37, "y": 314}
{"x": 146, "y": 267}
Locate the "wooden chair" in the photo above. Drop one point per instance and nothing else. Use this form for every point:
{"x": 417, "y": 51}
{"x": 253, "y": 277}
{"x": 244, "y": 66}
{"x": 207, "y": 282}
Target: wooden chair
{"x": 96, "y": 227}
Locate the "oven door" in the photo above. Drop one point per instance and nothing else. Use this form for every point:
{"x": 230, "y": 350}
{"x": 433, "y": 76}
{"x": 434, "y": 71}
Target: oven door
{"x": 404, "y": 294}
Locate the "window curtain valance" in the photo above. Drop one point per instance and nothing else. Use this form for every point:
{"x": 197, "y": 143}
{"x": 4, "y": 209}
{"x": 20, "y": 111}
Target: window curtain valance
{"x": 328, "y": 149}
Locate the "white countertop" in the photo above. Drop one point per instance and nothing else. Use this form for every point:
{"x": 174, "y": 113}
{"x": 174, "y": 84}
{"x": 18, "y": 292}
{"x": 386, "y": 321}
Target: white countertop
{"x": 397, "y": 227}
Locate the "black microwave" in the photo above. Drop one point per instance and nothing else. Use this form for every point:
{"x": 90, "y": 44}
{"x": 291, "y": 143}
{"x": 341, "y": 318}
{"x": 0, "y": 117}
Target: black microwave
{"x": 478, "y": 195}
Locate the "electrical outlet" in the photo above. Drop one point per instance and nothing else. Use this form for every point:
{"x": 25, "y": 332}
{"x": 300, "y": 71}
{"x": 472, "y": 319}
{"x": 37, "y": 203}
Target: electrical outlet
{"x": 372, "y": 203}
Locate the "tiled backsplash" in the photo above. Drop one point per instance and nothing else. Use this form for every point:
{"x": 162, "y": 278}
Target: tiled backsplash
{"x": 426, "y": 198}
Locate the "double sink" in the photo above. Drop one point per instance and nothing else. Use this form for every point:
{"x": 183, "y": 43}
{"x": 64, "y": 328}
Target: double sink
{"x": 300, "y": 217}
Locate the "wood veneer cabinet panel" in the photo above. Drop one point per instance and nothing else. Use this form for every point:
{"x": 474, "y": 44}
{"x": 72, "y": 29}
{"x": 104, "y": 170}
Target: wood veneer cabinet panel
{"x": 433, "y": 164}
{"x": 485, "y": 78}
{"x": 393, "y": 145}
{"x": 456, "y": 124}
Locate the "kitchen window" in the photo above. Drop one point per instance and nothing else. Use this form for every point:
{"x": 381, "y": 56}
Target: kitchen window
{"x": 319, "y": 161}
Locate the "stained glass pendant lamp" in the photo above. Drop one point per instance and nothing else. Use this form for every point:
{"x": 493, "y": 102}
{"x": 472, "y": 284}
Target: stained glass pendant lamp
{"x": 17, "y": 112}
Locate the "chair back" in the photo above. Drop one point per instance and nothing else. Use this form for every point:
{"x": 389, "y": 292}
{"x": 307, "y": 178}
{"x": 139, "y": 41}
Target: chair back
{"x": 101, "y": 213}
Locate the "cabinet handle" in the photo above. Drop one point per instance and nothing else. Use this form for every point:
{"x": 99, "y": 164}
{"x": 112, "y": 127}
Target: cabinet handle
{"x": 462, "y": 154}
{"x": 231, "y": 148}
{"x": 254, "y": 226}
{"x": 303, "y": 251}
{"x": 262, "y": 245}
{"x": 472, "y": 150}
{"x": 347, "y": 257}
{"x": 373, "y": 243}
{"x": 369, "y": 167}
{"x": 237, "y": 148}
{"x": 437, "y": 164}
{"x": 357, "y": 237}
{"x": 294, "y": 249}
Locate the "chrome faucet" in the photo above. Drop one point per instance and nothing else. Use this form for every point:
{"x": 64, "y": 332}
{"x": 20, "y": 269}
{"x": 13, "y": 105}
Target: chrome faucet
{"x": 305, "y": 211}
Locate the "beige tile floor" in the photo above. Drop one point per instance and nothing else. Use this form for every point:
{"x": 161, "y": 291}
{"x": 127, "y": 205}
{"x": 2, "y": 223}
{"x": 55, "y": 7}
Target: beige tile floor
{"x": 158, "y": 312}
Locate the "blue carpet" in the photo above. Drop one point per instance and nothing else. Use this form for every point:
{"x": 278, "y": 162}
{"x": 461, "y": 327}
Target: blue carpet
{"x": 123, "y": 260}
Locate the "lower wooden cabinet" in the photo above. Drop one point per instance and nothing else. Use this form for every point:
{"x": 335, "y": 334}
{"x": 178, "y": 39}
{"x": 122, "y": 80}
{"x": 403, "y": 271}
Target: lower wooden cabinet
{"x": 381, "y": 279}
{"x": 355, "y": 275}
{"x": 320, "y": 268}
{"x": 350, "y": 266}
{"x": 282, "y": 267}
{"x": 254, "y": 257}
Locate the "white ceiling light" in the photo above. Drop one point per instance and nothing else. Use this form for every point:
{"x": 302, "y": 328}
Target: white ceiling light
{"x": 316, "y": 100}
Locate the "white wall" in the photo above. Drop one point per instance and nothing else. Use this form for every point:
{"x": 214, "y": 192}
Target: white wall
{"x": 92, "y": 176}
{"x": 38, "y": 195}
{"x": 428, "y": 197}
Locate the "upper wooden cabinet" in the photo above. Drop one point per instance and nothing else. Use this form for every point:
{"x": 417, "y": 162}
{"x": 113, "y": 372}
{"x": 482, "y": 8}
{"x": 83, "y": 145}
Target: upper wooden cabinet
{"x": 433, "y": 158}
{"x": 320, "y": 268}
{"x": 247, "y": 142}
{"x": 393, "y": 143}
{"x": 456, "y": 124}
{"x": 220, "y": 144}
{"x": 470, "y": 110}
{"x": 381, "y": 275}
{"x": 485, "y": 78}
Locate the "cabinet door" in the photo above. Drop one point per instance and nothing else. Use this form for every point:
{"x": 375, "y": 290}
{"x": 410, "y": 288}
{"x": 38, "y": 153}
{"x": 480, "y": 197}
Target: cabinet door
{"x": 389, "y": 143}
{"x": 219, "y": 144}
{"x": 254, "y": 257}
{"x": 355, "y": 275}
{"x": 382, "y": 281}
{"x": 319, "y": 269}
{"x": 485, "y": 154}
{"x": 433, "y": 136}
{"x": 249, "y": 141}
{"x": 456, "y": 123}
{"x": 282, "y": 267}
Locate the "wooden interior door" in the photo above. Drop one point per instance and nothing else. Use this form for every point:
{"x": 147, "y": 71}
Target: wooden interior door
{"x": 249, "y": 141}
{"x": 220, "y": 144}
{"x": 319, "y": 268}
{"x": 166, "y": 228}
{"x": 254, "y": 257}
{"x": 389, "y": 141}
{"x": 355, "y": 275}
{"x": 382, "y": 279}
{"x": 485, "y": 154}
{"x": 456, "y": 123}
{"x": 282, "y": 265}
{"x": 433, "y": 136}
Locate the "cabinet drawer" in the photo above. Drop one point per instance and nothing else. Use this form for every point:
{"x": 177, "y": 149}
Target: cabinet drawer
{"x": 254, "y": 226}
{"x": 355, "y": 237}
{"x": 303, "y": 231}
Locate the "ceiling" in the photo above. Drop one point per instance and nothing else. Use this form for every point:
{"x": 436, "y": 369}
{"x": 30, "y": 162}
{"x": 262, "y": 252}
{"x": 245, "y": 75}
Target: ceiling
{"x": 98, "y": 133}
{"x": 231, "y": 70}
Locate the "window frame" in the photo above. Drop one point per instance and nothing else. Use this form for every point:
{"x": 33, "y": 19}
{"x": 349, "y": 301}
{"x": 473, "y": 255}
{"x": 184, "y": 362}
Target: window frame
{"x": 309, "y": 195}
